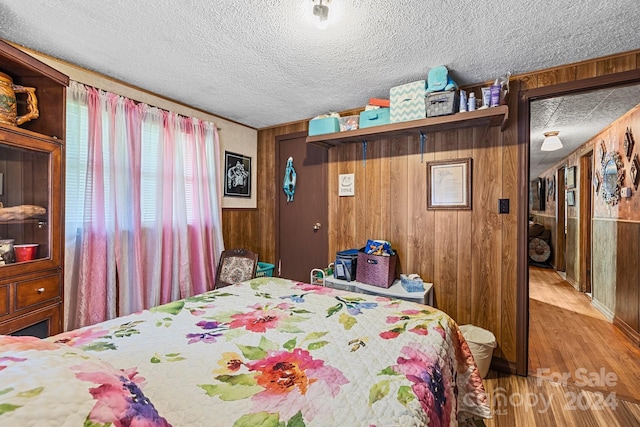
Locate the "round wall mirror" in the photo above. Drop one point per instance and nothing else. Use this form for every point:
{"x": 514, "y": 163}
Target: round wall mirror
{"x": 612, "y": 176}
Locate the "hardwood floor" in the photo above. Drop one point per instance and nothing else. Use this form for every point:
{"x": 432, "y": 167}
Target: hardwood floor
{"x": 582, "y": 370}
{"x": 571, "y": 341}
{"x": 528, "y": 401}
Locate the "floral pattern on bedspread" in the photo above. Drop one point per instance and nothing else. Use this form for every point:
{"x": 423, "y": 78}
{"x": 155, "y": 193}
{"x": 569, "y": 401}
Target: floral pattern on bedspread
{"x": 40, "y": 378}
{"x": 276, "y": 352}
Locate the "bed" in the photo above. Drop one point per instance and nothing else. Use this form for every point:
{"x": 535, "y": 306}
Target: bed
{"x": 265, "y": 352}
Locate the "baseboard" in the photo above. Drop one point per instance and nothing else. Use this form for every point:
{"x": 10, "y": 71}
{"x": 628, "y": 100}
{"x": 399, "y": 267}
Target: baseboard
{"x": 603, "y": 309}
{"x": 572, "y": 282}
{"x": 633, "y": 335}
{"x": 502, "y": 365}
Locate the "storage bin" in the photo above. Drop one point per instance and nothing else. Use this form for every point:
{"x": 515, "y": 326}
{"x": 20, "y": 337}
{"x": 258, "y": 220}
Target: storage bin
{"x": 408, "y": 101}
{"x": 377, "y": 117}
{"x": 345, "y": 266}
{"x": 348, "y": 123}
{"x": 481, "y": 343}
{"x": 376, "y": 270}
{"x": 264, "y": 269}
{"x": 442, "y": 103}
{"x": 323, "y": 126}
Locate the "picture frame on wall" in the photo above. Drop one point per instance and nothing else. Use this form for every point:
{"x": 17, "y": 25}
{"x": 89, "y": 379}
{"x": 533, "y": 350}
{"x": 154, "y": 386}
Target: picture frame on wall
{"x": 449, "y": 184}
{"x": 571, "y": 198}
{"x": 237, "y": 175}
{"x": 570, "y": 177}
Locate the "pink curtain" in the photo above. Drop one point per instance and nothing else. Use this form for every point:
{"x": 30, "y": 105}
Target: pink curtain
{"x": 145, "y": 222}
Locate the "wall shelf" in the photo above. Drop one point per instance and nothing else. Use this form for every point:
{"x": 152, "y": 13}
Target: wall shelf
{"x": 496, "y": 116}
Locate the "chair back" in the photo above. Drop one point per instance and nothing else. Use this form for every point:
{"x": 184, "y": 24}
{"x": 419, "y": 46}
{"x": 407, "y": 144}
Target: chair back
{"x": 235, "y": 265}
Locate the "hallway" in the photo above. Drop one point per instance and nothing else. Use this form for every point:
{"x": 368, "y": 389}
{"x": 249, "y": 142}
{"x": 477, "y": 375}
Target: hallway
{"x": 572, "y": 342}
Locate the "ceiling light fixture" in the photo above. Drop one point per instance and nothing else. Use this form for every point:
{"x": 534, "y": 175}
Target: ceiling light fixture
{"x": 551, "y": 141}
{"x": 321, "y": 12}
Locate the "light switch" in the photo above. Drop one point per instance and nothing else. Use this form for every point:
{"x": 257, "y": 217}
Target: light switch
{"x": 503, "y": 206}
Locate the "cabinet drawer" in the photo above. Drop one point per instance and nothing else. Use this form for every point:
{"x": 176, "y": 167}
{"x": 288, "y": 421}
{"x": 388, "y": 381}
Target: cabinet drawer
{"x": 4, "y": 300}
{"x": 35, "y": 291}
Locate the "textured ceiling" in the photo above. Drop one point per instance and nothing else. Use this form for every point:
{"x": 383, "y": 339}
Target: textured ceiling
{"x": 578, "y": 118}
{"x": 262, "y": 62}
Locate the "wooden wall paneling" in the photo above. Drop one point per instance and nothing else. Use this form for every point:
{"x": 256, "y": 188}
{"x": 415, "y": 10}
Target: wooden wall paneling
{"x": 487, "y": 232}
{"x": 386, "y": 209}
{"x": 509, "y": 249}
{"x": 398, "y": 199}
{"x": 342, "y": 160}
{"x": 555, "y": 76}
{"x": 627, "y": 305}
{"x": 463, "y": 274}
{"x": 373, "y": 216}
{"x": 529, "y": 81}
{"x": 360, "y": 232}
{"x": 586, "y": 71}
{"x": 421, "y": 225}
{"x": 266, "y": 189}
{"x": 445, "y": 234}
{"x": 616, "y": 64}
{"x": 239, "y": 227}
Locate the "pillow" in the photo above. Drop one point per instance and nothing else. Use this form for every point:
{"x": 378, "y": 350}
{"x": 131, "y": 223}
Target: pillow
{"x": 45, "y": 383}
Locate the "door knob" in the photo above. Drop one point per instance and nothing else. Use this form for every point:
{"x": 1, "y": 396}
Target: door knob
{"x": 317, "y": 226}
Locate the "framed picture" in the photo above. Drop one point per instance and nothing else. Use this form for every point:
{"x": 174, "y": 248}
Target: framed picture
{"x": 571, "y": 198}
{"x": 237, "y": 175}
{"x": 628, "y": 143}
{"x": 449, "y": 184}
{"x": 570, "y": 177}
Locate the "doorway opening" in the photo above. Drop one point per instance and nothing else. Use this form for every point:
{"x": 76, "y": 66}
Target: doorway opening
{"x": 564, "y": 331}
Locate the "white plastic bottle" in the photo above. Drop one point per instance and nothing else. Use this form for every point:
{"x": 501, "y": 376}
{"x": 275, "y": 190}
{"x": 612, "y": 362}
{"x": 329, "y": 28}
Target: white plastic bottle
{"x": 472, "y": 102}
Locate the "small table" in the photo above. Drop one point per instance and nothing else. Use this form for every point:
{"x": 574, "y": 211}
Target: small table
{"x": 394, "y": 291}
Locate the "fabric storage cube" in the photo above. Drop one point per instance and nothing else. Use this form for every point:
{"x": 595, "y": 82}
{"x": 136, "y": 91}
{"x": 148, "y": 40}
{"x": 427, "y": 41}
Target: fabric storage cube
{"x": 377, "y": 117}
{"x": 324, "y": 125}
{"x": 408, "y": 102}
{"x": 376, "y": 270}
{"x": 442, "y": 103}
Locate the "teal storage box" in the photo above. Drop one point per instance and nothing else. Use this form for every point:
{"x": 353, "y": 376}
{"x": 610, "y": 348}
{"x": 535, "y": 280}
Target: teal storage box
{"x": 324, "y": 125}
{"x": 377, "y": 117}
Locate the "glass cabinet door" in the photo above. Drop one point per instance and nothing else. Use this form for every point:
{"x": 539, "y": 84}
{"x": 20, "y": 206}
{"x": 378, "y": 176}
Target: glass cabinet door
{"x": 25, "y": 183}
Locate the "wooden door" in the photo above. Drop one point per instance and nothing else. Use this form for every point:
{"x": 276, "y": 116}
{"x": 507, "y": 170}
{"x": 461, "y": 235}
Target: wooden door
{"x": 302, "y": 223}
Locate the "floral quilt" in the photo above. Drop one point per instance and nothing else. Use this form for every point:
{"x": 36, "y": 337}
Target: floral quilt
{"x": 266, "y": 352}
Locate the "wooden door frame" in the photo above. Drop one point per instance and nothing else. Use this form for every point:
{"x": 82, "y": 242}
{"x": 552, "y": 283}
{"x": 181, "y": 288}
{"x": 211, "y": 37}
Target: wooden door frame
{"x": 560, "y": 221}
{"x": 524, "y": 115}
{"x": 586, "y": 215}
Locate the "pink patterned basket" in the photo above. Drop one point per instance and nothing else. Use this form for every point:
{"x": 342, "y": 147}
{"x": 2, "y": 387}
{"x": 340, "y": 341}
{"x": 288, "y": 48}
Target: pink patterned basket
{"x": 376, "y": 270}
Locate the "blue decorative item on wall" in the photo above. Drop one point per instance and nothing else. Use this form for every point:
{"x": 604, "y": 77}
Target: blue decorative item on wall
{"x": 289, "y": 184}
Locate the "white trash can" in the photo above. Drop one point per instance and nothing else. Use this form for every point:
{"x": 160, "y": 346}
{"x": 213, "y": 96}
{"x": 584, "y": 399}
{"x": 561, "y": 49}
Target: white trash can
{"x": 481, "y": 343}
